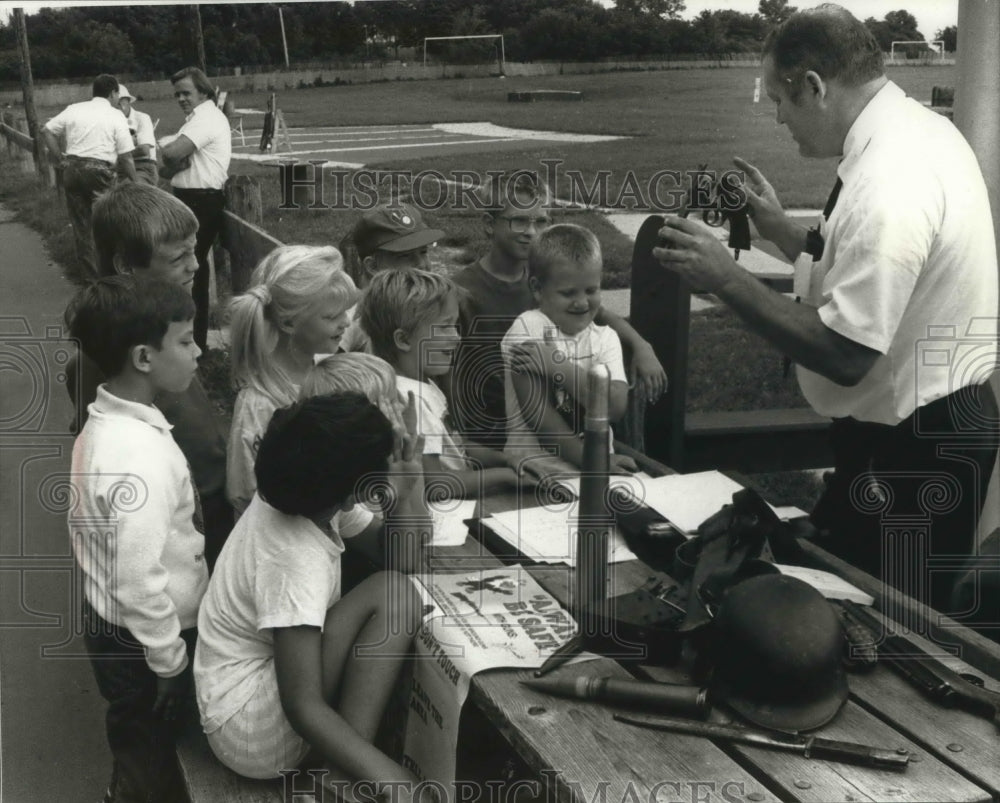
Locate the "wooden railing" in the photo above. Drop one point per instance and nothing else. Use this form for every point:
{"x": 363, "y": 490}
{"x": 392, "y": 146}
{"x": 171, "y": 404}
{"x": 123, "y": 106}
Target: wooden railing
{"x": 22, "y": 147}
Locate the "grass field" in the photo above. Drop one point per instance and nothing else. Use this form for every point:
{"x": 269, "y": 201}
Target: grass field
{"x": 676, "y": 119}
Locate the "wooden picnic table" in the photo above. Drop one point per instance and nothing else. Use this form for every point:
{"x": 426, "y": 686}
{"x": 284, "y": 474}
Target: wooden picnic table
{"x": 583, "y": 754}
{"x": 579, "y": 754}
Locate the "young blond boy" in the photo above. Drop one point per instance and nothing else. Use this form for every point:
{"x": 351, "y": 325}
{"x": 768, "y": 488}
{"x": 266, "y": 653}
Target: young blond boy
{"x": 145, "y": 231}
{"x": 549, "y": 350}
{"x": 411, "y": 318}
{"x": 517, "y": 209}
{"x": 133, "y": 526}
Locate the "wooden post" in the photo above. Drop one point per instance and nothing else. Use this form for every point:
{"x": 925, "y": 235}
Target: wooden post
{"x": 660, "y": 311}
{"x": 199, "y": 40}
{"x": 27, "y": 86}
{"x": 24, "y": 155}
{"x": 243, "y": 199}
{"x": 977, "y": 116}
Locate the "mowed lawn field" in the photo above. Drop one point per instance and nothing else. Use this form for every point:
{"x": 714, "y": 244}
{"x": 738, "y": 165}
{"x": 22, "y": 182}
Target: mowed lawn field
{"x": 674, "y": 120}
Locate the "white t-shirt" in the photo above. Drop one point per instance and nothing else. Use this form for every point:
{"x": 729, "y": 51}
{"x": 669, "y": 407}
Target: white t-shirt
{"x": 93, "y": 129}
{"x": 909, "y": 267}
{"x": 432, "y": 413}
{"x": 275, "y": 570}
{"x": 251, "y": 415}
{"x": 595, "y": 345}
{"x": 142, "y": 125}
{"x": 208, "y": 129}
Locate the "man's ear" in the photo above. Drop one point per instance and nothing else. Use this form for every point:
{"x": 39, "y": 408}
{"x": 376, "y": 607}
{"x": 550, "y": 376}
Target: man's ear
{"x": 814, "y": 84}
{"x": 401, "y": 340}
{"x": 370, "y": 264}
{"x": 139, "y": 357}
{"x": 489, "y": 221}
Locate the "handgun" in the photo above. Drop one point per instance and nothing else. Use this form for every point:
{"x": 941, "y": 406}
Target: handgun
{"x": 935, "y": 680}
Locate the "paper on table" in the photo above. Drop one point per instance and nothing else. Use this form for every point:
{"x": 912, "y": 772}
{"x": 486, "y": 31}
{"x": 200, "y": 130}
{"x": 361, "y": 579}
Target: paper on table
{"x": 449, "y": 525}
{"x": 635, "y": 484}
{"x": 548, "y": 535}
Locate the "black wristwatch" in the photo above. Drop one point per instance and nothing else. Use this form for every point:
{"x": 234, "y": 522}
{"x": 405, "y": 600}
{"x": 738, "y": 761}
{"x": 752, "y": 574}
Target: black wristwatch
{"x": 814, "y": 243}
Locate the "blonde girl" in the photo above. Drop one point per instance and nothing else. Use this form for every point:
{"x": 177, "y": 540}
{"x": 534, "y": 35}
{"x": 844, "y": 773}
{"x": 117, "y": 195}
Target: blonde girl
{"x": 295, "y": 309}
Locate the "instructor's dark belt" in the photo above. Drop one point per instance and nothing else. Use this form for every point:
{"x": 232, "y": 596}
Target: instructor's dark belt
{"x": 87, "y": 160}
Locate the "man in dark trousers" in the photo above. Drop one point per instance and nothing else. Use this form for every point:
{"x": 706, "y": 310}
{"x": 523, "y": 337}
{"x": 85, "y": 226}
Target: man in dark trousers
{"x": 196, "y": 160}
{"x": 97, "y": 141}
{"x": 895, "y": 336}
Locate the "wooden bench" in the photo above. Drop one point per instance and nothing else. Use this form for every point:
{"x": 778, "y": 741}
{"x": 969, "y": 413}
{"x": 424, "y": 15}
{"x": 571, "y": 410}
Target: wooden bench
{"x": 209, "y": 781}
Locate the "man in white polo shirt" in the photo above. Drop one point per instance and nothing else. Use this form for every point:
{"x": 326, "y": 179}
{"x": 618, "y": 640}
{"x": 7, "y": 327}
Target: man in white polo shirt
{"x": 140, "y": 126}
{"x": 197, "y": 162}
{"x": 97, "y": 138}
{"x": 896, "y": 334}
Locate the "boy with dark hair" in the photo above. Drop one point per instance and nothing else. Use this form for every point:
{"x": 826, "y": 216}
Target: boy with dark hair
{"x": 133, "y": 527}
{"x": 146, "y": 231}
{"x": 287, "y": 663}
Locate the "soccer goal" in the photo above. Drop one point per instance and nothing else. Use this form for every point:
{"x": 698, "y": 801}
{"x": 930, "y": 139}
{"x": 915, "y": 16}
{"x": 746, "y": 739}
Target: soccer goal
{"x": 484, "y": 48}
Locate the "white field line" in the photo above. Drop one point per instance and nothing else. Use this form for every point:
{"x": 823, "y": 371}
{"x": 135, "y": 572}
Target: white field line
{"x": 259, "y": 157}
{"x": 311, "y": 132}
{"x": 437, "y": 137}
{"x": 279, "y": 157}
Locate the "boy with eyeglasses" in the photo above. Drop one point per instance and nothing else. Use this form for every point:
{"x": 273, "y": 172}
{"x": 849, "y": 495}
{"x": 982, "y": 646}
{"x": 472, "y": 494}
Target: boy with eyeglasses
{"x": 516, "y": 210}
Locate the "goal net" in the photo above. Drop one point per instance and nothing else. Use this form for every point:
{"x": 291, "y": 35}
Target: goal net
{"x": 485, "y": 50}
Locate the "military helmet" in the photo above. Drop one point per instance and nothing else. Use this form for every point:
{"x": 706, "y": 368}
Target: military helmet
{"x": 776, "y": 645}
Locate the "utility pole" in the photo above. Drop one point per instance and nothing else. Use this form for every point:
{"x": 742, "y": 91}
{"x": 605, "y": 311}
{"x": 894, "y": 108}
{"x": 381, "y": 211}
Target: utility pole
{"x": 27, "y": 86}
{"x": 284, "y": 41}
{"x": 198, "y": 38}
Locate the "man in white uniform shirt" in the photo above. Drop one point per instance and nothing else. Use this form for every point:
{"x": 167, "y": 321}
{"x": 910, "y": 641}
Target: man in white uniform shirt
{"x": 895, "y": 337}
{"x": 197, "y": 162}
{"x": 140, "y": 126}
{"x": 97, "y": 139}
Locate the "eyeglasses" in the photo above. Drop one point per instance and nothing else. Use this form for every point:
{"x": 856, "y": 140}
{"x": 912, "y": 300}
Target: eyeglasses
{"x": 519, "y": 225}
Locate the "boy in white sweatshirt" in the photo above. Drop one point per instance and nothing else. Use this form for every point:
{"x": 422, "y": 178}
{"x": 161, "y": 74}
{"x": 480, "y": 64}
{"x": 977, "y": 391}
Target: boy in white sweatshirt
{"x": 135, "y": 527}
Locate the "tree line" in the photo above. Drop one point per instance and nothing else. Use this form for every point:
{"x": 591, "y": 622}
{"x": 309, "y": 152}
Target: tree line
{"x": 152, "y": 41}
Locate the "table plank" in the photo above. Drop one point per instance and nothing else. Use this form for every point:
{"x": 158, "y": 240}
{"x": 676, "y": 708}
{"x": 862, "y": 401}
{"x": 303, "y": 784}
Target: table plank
{"x": 813, "y": 781}
{"x": 577, "y": 744}
{"x": 884, "y": 711}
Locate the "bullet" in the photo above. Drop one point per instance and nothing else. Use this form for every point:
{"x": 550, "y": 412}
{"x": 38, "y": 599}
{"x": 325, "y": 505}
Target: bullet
{"x": 691, "y": 701}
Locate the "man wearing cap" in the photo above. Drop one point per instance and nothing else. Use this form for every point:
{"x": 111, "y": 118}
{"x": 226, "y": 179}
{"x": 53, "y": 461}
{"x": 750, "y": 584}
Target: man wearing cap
{"x": 196, "y": 160}
{"x": 97, "y": 139}
{"x": 392, "y": 237}
{"x": 140, "y": 126}
{"x": 895, "y": 336}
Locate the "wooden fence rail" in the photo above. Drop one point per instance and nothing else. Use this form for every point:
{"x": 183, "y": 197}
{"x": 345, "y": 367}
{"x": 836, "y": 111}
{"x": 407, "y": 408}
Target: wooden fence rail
{"x": 22, "y": 147}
